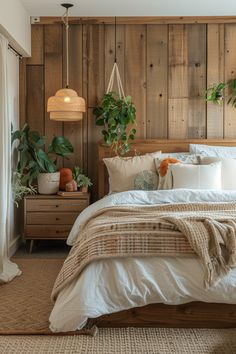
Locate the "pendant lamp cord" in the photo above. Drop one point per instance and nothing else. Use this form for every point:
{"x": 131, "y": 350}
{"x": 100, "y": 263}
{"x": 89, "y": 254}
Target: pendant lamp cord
{"x": 115, "y": 41}
{"x": 66, "y": 23}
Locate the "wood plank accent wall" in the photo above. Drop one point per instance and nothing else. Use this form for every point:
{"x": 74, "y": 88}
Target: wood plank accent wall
{"x": 165, "y": 66}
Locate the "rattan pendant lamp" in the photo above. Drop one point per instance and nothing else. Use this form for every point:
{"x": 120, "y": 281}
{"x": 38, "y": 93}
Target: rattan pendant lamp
{"x": 66, "y": 105}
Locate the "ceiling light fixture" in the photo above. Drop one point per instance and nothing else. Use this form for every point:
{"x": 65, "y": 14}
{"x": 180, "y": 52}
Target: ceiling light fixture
{"x": 66, "y": 105}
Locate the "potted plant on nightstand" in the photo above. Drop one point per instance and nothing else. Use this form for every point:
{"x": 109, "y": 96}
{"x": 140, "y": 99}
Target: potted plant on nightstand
{"x": 36, "y": 163}
{"x": 83, "y": 182}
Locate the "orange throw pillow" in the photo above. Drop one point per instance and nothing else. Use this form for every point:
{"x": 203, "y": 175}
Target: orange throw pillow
{"x": 65, "y": 177}
{"x": 165, "y": 164}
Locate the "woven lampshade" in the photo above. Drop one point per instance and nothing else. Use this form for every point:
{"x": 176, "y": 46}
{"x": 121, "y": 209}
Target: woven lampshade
{"x": 66, "y": 105}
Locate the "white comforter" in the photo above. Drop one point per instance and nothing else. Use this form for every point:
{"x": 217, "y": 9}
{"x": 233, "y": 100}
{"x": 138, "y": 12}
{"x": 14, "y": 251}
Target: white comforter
{"x": 113, "y": 285}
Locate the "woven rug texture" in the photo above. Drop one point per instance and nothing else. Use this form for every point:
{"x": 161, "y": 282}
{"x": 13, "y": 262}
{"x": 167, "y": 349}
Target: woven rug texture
{"x": 25, "y": 302}
{"x": 127, "y": 341}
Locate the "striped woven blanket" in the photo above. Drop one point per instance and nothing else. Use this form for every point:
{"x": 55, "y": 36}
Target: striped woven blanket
{"x": 205, "y": 229}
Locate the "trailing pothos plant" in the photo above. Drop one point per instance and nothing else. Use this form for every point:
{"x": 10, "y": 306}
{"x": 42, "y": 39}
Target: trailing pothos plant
{"x": 216, "y": 93}
{"x": 114, "y": 115}
{"x": 33, "y": 159}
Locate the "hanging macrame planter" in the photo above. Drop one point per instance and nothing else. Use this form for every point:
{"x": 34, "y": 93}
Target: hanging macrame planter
{"x": 116, "y": 74}
{"x": 116, "y": 113}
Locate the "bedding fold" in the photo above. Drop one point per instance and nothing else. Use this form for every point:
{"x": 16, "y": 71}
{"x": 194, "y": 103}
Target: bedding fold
{"x": 206, "y": 229}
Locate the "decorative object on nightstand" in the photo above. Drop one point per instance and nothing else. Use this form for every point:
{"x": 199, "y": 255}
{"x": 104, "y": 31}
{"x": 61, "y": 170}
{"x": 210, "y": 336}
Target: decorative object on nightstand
{"x": 35, "y": 162}
{"x": 51, "y": 217}
{"x": 82, "y": 180}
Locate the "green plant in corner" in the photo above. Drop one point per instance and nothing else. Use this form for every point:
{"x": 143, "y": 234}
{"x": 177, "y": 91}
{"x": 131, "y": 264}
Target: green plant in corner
{"x": 19, "y": 190}
{"x": 215, "y": 93}
{"x": 114, "y": 115}
{"x": 33, "y": 159}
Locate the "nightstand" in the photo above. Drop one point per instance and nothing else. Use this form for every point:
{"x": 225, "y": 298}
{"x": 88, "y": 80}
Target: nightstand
{"x": 51, "y": 217}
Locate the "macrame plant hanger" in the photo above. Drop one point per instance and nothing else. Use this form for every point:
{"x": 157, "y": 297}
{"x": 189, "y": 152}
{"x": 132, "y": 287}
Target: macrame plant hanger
{"x": 116, "y": 74}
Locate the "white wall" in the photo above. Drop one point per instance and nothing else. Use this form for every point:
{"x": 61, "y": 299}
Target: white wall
{"x": 134, "y": 7}
{"x": 15, "y": 25}
{"x": 13, "y": 96}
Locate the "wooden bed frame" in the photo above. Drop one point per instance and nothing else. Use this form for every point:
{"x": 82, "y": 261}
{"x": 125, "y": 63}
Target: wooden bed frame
{"x": 194, "y": 314}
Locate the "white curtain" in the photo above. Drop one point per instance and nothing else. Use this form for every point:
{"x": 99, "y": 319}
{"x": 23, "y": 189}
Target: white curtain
{"x": 8, "y": 270}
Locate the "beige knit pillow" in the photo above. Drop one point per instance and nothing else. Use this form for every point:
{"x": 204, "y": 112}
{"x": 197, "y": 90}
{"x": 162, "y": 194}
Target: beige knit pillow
{"x": 123, "y": 170}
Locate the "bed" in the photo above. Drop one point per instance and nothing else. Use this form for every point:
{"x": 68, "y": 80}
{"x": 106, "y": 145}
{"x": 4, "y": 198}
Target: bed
{"x": 174, "y": 307}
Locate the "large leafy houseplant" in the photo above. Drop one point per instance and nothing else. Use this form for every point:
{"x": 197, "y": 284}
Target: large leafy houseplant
{"x": 114, "y": 115}
{"x": 33, "y": 159}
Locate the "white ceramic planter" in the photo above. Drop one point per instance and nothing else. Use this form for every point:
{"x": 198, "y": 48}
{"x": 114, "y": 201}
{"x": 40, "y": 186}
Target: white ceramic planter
{"x": 48, "y": 183}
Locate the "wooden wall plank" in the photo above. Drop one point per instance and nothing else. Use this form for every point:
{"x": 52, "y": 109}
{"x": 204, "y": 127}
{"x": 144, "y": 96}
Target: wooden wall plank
{"x": 178, "y": 82}
{"x": 96, "y": 87}
{"x": 157, "y": 81}
{"x": 35, "y": 100}
{"x": 215, "y": 74}
{"x": 135, "y": 72}
{"x": 230, "y": 73}
{"x": 74, "y": 130}
{"x": 52, "y": 74}
{"x": 196, "y": 80}
{"x": 95, "y": 56}
{"x": 37, "y": 48}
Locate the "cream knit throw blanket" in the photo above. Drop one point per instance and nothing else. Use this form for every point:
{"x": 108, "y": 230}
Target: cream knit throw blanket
{"x": 206, "y": 229}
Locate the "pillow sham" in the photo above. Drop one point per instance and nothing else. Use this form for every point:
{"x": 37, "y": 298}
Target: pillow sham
{"x": 123, "y": 170}
{"x": 162, "y": 166}
{"x": 228, "y": 170}
{"x": 196, "y": 176}
{"x": 146, "y": 181}
{"x": 213, "y": 151}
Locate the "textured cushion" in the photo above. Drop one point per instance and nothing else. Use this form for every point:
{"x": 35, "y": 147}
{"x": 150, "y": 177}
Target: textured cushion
{"x": 228, "y": 170}
{"x": 146, "y": 180}
{"x": 122, "y": 171}
{"x": 213, "y": 151}
{"x": 196, "y": 176}
{"x": 165, "y": 179}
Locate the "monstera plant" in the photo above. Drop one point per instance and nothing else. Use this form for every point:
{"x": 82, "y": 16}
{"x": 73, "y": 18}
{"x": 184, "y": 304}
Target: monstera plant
{"x": 116, "y": 117}
{"x": 35, "y": 162}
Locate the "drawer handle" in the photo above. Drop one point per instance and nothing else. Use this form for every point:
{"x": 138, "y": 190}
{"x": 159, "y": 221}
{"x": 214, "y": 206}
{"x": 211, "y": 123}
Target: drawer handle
{"x": 57, "y": 206}
{"x": 57, "y": 231}
{"x": 57, "y": 219}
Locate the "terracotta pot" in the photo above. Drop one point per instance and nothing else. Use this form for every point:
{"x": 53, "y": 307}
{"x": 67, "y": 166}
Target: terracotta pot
{"x": 84, "y": 189}
{"x": 48, "y": 183}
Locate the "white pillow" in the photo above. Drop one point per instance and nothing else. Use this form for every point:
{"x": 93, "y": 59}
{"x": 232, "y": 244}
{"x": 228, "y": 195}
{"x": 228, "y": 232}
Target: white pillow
{"x": 165, "y": 182}
{"x": 196, "y": 176}
{"x": 216, "y": 151}
{"x": 123, "y": 170}
{"x": 228, "y": 170}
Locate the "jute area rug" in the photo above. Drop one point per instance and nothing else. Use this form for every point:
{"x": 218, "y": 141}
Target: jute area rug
{"x": 25, "y": 307}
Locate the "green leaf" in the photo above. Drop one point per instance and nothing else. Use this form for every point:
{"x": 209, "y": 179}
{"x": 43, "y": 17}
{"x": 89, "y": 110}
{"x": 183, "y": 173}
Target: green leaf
{"x": 100, "y": 122}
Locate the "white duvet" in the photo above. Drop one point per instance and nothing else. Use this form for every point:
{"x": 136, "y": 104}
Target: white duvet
{"x": 108, "y": 286}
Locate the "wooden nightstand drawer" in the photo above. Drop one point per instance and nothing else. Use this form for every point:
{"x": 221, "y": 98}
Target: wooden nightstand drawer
{"x": 56, "y": 205}
{"x": 51, "y": 218}
{"x": 47, "y": 231}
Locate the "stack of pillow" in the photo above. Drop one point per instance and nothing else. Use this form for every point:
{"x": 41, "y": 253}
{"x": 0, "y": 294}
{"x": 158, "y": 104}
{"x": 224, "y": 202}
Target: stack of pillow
{"x": 204, "y": 167}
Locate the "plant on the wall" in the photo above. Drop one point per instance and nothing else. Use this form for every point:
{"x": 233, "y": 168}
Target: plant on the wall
{"x": 33, "y": 159}
{"x": 215, "y": 93}
{"x": 114, "y": 115}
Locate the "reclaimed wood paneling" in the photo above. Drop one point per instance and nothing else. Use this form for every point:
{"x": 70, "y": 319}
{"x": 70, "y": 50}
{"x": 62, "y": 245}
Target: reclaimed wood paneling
{"x": 135, "y": 72}
{"x": 157, "y": 81}
{"x": 35, "y": 100}
{"x": 165, "y": 64}
{"x": 37, "y": 46}
{"x": 52, "y": 73}
{"x": 74, "y": 130}
{"x": 215, "y": 73}
{"x": 230, "y": 73}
